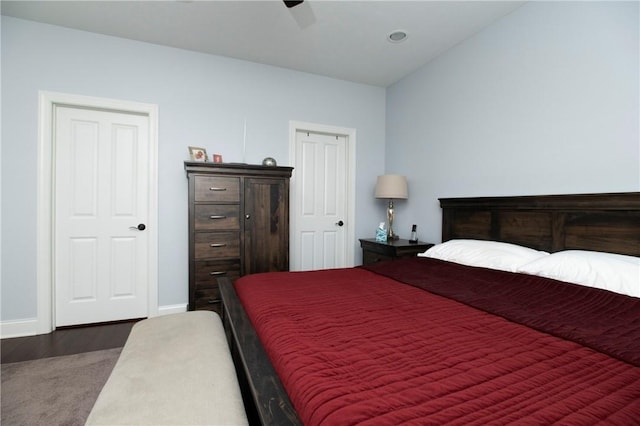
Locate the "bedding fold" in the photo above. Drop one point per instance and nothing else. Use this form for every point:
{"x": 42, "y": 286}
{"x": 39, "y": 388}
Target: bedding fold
{"x": 602, "y": 320}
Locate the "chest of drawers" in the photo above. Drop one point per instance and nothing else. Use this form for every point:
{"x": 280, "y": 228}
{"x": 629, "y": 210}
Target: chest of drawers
{"x": 238, "y": 224}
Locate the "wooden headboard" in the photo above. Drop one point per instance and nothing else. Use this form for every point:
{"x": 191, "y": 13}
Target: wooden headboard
{"x": 600, "y": 222}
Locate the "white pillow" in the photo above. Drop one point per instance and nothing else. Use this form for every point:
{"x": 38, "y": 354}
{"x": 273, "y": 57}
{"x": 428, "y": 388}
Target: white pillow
{"x": 487, "y": 254}
{"x": 608, "y": 271}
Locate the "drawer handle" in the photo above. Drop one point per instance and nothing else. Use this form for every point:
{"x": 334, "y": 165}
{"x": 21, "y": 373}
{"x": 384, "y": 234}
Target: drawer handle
{"x": 211, "y": 301}
{"x": 217, "y": 217}
{"x": 217, "y": 273}
{"x": 217, "y": 245}
{"x": 213, "y": 188}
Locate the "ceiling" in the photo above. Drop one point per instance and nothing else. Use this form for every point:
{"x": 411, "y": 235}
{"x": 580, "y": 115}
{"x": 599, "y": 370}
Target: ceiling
{"x": 340, "y": 39}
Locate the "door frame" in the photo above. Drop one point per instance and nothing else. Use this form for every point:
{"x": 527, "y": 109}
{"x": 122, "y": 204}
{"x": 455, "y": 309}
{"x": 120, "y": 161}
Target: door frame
{"x": 45, "y": 193}
{"x": 350, "y": 136}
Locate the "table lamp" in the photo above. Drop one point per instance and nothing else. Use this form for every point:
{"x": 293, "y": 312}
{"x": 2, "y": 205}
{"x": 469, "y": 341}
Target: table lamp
{"x": 391, "y": 187}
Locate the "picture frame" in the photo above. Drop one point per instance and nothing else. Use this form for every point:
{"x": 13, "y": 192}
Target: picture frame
{"x": 198, "y": 154}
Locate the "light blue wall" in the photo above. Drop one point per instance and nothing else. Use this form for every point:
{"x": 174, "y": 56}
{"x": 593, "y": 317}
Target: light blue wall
{"x": 203, "y": 101}
{"x": 545, "y": 101}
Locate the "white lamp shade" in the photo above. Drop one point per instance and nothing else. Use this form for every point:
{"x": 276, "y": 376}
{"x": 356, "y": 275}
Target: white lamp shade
{"x": 392, "y": 186}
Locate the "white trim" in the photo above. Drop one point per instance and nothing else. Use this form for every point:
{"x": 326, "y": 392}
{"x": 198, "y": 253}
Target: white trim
{"x": 29, "y": 326}
{"x": 172, "y": 309}
{"x": 18, "y": 328}
{"x": 44, "y": 268}
{"x": 350, "y": 135}
{"x": 47, "y": 101}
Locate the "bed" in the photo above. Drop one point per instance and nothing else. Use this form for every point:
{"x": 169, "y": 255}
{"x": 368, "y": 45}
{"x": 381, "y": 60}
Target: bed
{"x": 429, "y": 340}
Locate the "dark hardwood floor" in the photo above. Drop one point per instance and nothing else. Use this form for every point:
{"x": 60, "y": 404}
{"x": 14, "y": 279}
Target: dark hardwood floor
{"x": 66, "y": 341}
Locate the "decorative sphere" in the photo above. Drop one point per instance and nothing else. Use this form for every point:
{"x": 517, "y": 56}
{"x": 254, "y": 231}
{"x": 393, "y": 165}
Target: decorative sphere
{"x": 269, "y": 162}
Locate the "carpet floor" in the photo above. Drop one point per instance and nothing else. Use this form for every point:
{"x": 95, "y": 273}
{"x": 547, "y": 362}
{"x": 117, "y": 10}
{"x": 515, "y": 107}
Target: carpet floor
{"x": 54, "y": 391}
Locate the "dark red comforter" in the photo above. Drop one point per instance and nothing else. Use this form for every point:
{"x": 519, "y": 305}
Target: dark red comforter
{"x": 355, "y": 347}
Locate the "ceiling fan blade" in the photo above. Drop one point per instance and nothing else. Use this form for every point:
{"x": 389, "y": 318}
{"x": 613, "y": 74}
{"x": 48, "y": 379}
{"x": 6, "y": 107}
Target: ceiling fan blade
{"x": 292, "y": 3}
{"x": 302, "y": 14}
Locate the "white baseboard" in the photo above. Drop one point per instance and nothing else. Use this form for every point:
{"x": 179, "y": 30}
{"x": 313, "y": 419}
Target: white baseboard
{"x": 18, "y": 328}
{"x": 29, "y": 326}
{"x": 172, "y": 309}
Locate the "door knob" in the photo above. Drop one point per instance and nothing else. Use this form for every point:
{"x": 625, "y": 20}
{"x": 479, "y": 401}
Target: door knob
{"x": 140, "y": 227}
{"x": 339, "y": 223}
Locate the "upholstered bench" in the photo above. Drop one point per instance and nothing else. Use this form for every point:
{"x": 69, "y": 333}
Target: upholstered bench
{"x": 173, "y": 370}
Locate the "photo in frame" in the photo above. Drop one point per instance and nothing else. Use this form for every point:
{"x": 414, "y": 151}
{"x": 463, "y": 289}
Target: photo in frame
{"x": 198, "y": 154}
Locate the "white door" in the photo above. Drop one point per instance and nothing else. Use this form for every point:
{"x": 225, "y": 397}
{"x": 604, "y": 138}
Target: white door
{"x": 320, "y": 197}
{"x": 101, "y": 206}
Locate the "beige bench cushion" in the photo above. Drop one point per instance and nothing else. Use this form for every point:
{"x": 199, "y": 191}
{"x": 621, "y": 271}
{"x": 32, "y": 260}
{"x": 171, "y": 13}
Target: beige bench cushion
{"x": 173, "y": 370}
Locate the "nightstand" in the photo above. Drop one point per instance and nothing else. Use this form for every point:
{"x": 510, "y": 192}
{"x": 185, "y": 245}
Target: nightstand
{"x": 374, "y": 251}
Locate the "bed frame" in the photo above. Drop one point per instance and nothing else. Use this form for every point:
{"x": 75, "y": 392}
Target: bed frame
{"x": 602, "y": 222}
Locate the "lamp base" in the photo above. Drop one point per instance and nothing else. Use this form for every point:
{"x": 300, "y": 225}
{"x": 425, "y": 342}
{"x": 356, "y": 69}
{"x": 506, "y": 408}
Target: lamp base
{"x": 392, "y": 237}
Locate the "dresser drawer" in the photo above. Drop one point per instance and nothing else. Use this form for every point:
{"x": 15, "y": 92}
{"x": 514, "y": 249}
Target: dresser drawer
{"x": 215, "y": 188}
{"x": 217, "y": 244}
{"x": 208, "y": 271}
{"x": 208, "y": 299}
{"x": 373, "y": 257}
{"x": 217, "y": 217}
